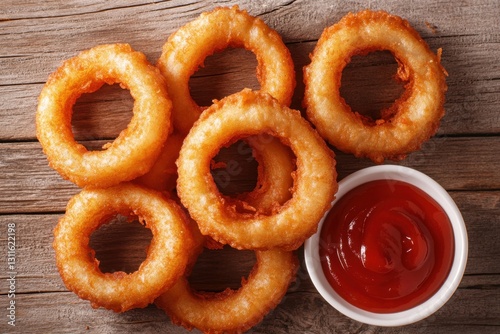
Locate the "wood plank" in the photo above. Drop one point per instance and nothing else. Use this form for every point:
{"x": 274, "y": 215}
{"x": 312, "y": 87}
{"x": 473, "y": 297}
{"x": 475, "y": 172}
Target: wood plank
{"x": 27, "y": 61}
{"x": 452, "y": 318}
{"x": 481, "y": 213}
{"x": 470, "y": 98}
{"x": 299, "y": 312}
{"x": 25, "y": 176}
{"x": 121, "y": 246}
{"x": 465, "y": 163}
{"x": 28, "y": 184}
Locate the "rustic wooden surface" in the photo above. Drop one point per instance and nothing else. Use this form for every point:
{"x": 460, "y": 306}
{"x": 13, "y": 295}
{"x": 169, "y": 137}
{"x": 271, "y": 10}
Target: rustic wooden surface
{"x": 36, "y": 36}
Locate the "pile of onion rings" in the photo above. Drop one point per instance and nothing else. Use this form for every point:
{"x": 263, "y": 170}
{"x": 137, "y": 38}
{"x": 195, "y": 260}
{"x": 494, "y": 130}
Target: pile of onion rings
{"x": 169, "y": 147}
{"x": 185, "y": 52}
{"x": 412, "y": 118}
{"x": 271, "y": 225}
{"x": 231, "y": 27}
{"x": 244, "y": 114}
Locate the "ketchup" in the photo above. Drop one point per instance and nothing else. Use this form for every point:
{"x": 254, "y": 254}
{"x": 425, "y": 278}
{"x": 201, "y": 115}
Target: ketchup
{"x": 386, "y": 246}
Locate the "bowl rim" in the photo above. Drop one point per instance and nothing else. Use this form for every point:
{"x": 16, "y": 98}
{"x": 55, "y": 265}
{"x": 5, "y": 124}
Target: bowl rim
{"x": 423, "y": 310}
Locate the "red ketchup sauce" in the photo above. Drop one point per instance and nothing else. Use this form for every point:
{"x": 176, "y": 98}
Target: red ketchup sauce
{"x": 386, "y": 246}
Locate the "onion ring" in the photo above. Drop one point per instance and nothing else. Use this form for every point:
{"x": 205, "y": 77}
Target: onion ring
{"x": 412, "y": 119}
{"x": 276, "y": 165}
{"x": 233, "y": 311}
{"x": 186, "y": 49}
{"x": 167, "y": 254}
{"x": 136, "y": 148}
{"x": 234, "y": 117}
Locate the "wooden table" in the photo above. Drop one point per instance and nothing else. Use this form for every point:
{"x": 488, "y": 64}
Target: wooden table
{"x": 464, "y": 156}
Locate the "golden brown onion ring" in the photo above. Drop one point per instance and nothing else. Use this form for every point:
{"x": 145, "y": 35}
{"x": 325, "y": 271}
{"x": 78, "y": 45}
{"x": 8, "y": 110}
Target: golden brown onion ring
{"x": 241, "y": 115}
{"x": 233, "y": 311}
{"x": 276, "y": 165}
{"x": 186, "y": 50}
{"x": 135, "y": 150}
{"x": 413, "y": 117}
{"x": 167, "y": 254}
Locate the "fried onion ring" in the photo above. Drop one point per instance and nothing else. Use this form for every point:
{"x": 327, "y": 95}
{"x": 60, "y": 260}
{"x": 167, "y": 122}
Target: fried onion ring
{"x": 136, "y": 148}
{"x": 233, "y": 311}
{"x": 276, "y": 165}
{"x": 412, "y": 119}
{"x": 235, "y": 117}
{"x": 167, "y": 254}
{"x": 186, "y": 49}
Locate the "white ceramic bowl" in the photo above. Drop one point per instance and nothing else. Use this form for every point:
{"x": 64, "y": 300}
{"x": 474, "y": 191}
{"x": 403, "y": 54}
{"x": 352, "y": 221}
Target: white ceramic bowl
{"x": 431, "y": 187}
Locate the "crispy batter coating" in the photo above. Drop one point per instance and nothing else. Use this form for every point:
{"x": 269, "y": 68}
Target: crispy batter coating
{"x": 186, "y": 50}
{"x": 275, "y": 175}
{"x": 135, "y": 150}
{"x": 276, "y": 166}
{"x": 233, "y": 311}
{"x": 412, "y": 119}
{"x": 241, "y": 115}
{"x": 167, "y": 255}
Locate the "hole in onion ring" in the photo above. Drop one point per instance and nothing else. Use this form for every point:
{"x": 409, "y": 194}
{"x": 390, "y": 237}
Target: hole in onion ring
{"x": 101, "y": 115}
{"x": 368, "y": 84}
{"x": 219, "y": 269}
{"x": 120, "y": 245}
{"x": 234, "y": 69}
{"x": 255, "y": 174}
{"x": 234, "y": 169}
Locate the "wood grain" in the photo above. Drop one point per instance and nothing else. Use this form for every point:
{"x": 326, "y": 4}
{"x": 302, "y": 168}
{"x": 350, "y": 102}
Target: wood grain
{"x": 37, "y": 36}
{"x": 39, "y": 274}
{"x": 472, "y": 85}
